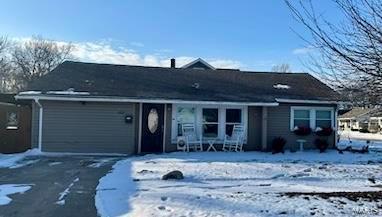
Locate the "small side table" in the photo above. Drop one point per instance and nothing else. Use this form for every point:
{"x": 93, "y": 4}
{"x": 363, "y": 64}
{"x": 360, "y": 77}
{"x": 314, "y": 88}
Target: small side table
{"x": 301, "y": 143}
{"x": 211, "y": 143}
{"x": 181, "y": 143}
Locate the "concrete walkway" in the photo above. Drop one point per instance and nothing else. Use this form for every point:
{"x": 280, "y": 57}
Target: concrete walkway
{"x": 50, "y": 177}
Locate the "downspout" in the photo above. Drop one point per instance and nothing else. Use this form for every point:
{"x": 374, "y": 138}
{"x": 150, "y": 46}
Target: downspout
{"x": 36, "y": 100}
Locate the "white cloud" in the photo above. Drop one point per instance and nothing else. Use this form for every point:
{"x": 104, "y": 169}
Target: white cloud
{"x": 105, "y": 52}
{"x": 303, "y": 50}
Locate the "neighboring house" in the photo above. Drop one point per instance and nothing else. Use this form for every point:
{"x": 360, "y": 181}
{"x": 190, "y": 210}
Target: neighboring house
{"x": 104, "y": 108}
{"x": 15, "y": 124}
{"x": 361, "y": 119}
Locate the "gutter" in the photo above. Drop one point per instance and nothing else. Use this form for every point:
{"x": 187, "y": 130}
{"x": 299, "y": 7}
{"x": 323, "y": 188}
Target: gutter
{"x": 36, "y": 100}
{"x": 135, "y": 100}
{"x": 307, "y": 101}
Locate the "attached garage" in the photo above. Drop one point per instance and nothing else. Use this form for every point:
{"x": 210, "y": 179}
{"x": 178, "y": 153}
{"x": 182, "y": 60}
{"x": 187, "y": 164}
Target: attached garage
{"x": 86, "y": 127}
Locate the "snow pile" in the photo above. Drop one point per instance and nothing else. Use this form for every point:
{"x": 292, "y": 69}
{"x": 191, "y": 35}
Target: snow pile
{"x": 236, "y": 184}
{"x": 11, "y": 160}
{"x": 281, "y": 86}
{"x": 357, "y": 140}
{"x": 114, "y": 190}
{"x": 9, "y": 189}
{"x": 358, "y": 135}
{"x": 30, "y": 93}
{"x": 68, "y": 92}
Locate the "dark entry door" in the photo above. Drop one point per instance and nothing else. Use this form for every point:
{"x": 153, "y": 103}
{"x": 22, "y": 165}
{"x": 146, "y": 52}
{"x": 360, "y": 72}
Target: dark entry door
{"x": 152, "y": 127}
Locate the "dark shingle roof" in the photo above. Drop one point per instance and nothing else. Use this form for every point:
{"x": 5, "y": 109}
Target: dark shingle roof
{"x": 180, "y": 84}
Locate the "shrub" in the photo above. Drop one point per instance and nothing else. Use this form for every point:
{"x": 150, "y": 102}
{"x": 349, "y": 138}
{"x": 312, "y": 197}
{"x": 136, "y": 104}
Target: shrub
{"x": 324, "y": 131}
{"x": 321, "y": 144}
{"x": 278, "y": 145}
{"x": 302, "y": 131}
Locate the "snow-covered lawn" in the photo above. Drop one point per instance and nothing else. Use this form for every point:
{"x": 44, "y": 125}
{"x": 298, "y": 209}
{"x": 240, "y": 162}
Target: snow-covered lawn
{"x": 359, "y": 139}
{"x": 239, "y": 184}
{"x": 358, "y": 135}
{"x": 12, "y": 161}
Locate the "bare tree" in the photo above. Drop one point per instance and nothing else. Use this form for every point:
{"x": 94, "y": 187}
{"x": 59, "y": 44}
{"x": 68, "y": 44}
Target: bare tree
{"x": 284, "y": 67}
{"x": 349, "y": 53}
{"x": 36, "y": 57}
{"x": 4, "y": 63}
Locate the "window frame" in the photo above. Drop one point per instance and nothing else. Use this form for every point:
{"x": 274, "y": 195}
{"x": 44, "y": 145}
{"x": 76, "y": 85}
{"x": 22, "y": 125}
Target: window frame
{"x": 304, "y": 119}
{"x": 322, "y": 119}
{"x": 199, "y": 117}
{"x": 175, "y": 114}
{"x": 211, "y": 123}
{"x": 232, "y": 123}
{"x": 312, "y": 110}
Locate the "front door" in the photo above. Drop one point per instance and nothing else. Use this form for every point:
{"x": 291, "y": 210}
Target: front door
{"x": 152, "y": 127}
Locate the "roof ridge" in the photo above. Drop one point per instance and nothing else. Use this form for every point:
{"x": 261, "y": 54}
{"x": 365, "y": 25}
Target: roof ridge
{"x": 162, "y": 67}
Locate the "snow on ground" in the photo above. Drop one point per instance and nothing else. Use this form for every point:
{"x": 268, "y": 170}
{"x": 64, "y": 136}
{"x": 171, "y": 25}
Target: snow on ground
{"x": 357, "y": 139}
{"x": 358, "y": 135}
{"x": 238, "y": 184}
{"x": 9, "y": 189}
{"x": 100, "y": 162}
{"x": 13, "y": 160}
{"x": 61, "y": 198}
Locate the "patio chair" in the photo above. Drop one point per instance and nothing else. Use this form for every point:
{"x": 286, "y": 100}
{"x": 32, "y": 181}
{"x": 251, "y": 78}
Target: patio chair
{"x": 235, "y": 141}
{"x": 192, "y": 140}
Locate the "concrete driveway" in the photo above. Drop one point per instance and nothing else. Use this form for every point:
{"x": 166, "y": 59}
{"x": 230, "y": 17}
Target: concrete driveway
{"x": 61, "y": 186}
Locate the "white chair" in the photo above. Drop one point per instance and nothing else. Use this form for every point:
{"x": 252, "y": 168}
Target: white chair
{"x": 235, "y": 141}
{"x": 192, "y": 140}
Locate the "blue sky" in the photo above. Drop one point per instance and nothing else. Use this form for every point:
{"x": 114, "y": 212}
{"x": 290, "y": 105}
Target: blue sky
{"x": 248, "y": 34}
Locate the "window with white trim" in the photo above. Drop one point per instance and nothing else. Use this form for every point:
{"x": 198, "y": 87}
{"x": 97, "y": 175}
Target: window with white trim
{"x": 185, "y": 115}
{"x": 301, "y": 118}
{"x": 312, "y": 117}
{"x": 210, "y": 122}
{"x": 232, "y": 117}
{"x": 323, "y": 118}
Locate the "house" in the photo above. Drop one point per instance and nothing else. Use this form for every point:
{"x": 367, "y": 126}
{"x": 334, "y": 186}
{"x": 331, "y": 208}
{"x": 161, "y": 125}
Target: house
{"x": 15, "y": 124}
{"x": 105, "y": 108}
{"x": 361, "y": 119}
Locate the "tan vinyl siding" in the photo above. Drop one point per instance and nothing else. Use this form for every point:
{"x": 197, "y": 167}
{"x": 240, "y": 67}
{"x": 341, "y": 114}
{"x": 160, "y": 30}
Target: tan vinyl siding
{"x": 279, "y": 125}
{"x": 89, "y": 127}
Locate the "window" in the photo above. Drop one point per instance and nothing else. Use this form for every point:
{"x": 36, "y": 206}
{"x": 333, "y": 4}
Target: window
{"x": 323, "y": 118}
{"x": 12, "y": 121}
{"x": 312, "y": 117}
{"x": 184, "y": 115}
{"x": 232, "y": 117}
{"x": 301, "y": 118}
{"x": 210, "y": 122}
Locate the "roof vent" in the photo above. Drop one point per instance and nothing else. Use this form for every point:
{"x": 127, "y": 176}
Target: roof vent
{"x": 281, "y": 86}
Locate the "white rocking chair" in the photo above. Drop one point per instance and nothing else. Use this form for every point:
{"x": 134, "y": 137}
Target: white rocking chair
{"x": 192, "y": 140}
{"x": 235, "y": 141}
